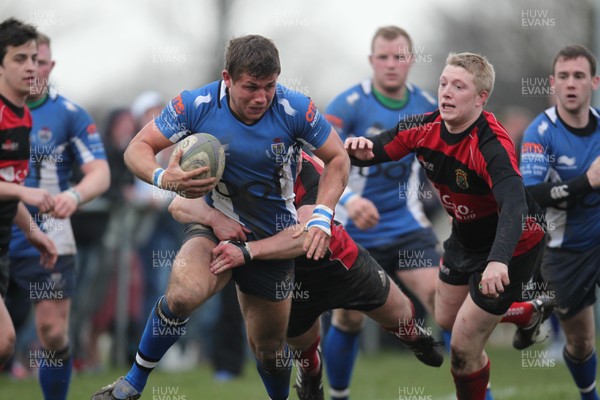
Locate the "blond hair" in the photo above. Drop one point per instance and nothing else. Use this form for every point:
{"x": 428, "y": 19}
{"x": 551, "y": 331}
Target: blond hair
{"x": 43, "y": 39}
{"x": 478, "y": 66}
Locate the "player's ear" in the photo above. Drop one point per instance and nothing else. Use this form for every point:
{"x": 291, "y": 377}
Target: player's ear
{"x": 482, "y": 98}
{"x": 595, "y": 82}
{"x": 227, "y": 78}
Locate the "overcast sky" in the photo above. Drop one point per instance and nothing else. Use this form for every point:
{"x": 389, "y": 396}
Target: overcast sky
{"x": 107, "y": 51}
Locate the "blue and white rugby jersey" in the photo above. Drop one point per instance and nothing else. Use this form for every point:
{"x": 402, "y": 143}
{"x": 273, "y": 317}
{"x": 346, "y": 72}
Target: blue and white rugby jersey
{"x": 63, "y": 134}
{"x": 394, "y": 187}
{"x": 552, "y": 153}
{"x": 257, "y": 186}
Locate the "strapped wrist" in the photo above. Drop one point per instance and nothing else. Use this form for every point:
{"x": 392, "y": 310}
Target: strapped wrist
{"x": 157, "y": 176}
{"x": 322, "y": 217}
{"x": 347, "y": 196}
{"x": 75, "y": 194}
{"x": 244, "y": 247}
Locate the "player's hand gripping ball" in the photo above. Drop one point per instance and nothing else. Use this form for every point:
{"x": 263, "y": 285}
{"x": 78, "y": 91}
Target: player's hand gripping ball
{"x": 201, "y": 150}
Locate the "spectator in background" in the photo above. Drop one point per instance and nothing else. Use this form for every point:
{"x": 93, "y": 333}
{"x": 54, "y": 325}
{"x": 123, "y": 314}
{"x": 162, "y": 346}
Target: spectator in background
{"x": 515, "y": 120}
{"x": 120, "y": 129}
{"x": 163, "y": 235}
{"x": 95, "y": 258}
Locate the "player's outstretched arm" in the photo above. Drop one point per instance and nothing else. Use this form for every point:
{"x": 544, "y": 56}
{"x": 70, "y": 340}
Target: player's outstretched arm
{"x": 189, "y": 211}
{"x": 37, "y": 197}
{"x": 286, "y": 244}
{"x": 365, "y": 152}
{"x": 140, "y": 158}
{"x": 360, "y": 148}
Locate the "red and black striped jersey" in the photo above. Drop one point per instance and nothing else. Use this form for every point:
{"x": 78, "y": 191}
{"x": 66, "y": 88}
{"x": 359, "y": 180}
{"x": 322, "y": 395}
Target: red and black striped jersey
{"x": 473, "y": 172}
{"x": 15, "y": 126}
{"x": 342, "y": 249}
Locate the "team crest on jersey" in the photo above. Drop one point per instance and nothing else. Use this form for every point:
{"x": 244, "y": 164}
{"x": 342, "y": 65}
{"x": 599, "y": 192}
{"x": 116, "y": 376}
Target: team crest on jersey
{"x": 277, "y": 151}
{"x": 44, "y": 135}
{"x": 461, "y": 179}
{"x": 278, "y": 148}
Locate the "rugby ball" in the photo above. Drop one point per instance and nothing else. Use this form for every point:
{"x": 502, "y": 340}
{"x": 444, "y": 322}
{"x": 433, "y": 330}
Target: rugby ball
{"x": 201, "y": 150}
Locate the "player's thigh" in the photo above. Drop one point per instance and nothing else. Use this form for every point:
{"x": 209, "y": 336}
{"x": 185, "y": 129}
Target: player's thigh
{"x": 422, "y": 283}
{"x": 305, "y": 340}
{"x": 191, "y": 283}
{"x": 448, "y": 300}
{"x": 4, "y": 274}
{"x": 266, "y": 323}
{"x": 7, "y": 333}
{"x": 570, "y": 276}
{"x": 419, "y": 280}
{"x": 580, "y": 332}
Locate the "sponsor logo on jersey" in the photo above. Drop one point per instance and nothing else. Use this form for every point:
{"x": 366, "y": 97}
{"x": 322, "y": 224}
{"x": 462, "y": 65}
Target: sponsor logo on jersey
{"x": 426, "y": 164}
{"x": 568, "y": 161}
{"x": 337, "y": 122}
{"x": 9, "y": 145}
{"x": 461, "y": 179}
{"x": 311, "y": 113}
{"x": 529, "y": 147}
{"x": 70, "y": 106}
{"x": 443, "y": 269}
{"x": 7, "y": 174}
{"x": 542, "y": 127}
{"x": 287, "y": 107}
{"x": 352, "y": 98}
{"x": 91, "y": 129}
{"x": 202, "y": 99}
{"x": 461, "y": 212}
{"x": 373, "y": 130}
{"x": 382, "y": 277}
{"x": 559, "y": 192}
{"x": 178, "y": 105}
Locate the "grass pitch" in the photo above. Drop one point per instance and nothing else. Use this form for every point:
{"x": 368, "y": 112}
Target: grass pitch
{"x": 388, "y": 375}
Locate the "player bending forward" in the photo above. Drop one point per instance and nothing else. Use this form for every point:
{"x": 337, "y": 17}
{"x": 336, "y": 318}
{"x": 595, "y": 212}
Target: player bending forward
{"x": 347, "y": 277}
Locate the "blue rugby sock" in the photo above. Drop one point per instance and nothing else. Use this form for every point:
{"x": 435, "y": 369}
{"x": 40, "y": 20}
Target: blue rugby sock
{"x": 488, "y": 393}
{"x": 162, "y": 330}
{"x": 446, "y": 336}
{"x": 584, "y": 374}
{"x": 55, "y": 373}
{"x": 340, "y": 352}
{"x": 277, "y": 378}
